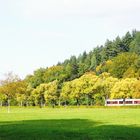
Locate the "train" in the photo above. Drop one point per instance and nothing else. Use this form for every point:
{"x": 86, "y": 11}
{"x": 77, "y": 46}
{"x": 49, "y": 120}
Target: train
{"x": 122, "y": 102}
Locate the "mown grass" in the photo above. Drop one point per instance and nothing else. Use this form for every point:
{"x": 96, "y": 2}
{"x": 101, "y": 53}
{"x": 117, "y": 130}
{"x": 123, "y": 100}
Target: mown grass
{"x": 70, "y": 124}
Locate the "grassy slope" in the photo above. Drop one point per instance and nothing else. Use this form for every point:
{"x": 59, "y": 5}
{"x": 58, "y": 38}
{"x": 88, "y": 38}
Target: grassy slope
{"x": 70, "y": 124}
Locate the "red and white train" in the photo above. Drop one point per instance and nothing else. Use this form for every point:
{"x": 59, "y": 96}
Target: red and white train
{"x": 121, "y": 102}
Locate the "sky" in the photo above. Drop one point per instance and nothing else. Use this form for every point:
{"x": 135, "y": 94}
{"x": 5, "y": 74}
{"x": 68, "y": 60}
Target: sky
{"x": 39, "y": 33}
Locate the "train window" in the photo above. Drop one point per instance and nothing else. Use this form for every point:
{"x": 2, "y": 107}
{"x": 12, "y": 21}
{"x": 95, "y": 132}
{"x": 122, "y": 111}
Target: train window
{"x": 136, "y": 102}
{"x": 128, "y": 102}
{"x": 120, "y": 102}
{"x": 115, "y": 102}
{"x": 112, "y": 102}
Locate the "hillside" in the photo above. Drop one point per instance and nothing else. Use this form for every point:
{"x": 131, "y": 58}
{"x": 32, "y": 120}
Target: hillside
{"x": 110, "y": 57}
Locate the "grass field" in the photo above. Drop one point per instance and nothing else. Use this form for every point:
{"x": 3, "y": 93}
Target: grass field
{"x": 70, "y": 124}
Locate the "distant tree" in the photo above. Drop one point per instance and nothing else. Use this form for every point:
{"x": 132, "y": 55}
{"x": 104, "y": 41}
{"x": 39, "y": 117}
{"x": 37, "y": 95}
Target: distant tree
{"x": 135, "y": 44}
{"x": 71, "y": 69}
{"x": 108, "y": 51}
{"x": 75, "y": 93}
{"x": 136, "y": 93}
{"x": 123, "y": 88}
{"x": 126, "y": 41}
{"x": 93, "y": 62}
{"x": 87, "y": 63}
{"x": 121, "y": 63}
{"x": 37, "y": 78}
{"x": 2, "y": 98}
{"x": 51, "y": 94}
{"x": 104, "y": 67}
{"x": 38, "y": 94}
{"x": 20, "y": 92}
{"x": 89, "y": 86}
{"x": 55, "y": 73}
{"x": 29, "y": 99}
{"x": 106, "y": 84}
{"x": 65, "y": 92}
{"x": 9, "y": 87}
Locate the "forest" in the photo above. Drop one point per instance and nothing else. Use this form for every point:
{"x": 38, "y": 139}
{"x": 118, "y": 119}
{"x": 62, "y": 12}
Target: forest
{"x": 110, "y": 71}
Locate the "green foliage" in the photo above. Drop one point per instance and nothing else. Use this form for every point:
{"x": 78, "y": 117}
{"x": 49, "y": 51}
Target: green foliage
{"x": 122, "y": 63}
{"x": 54, "y": 73}
{"x": 37, "y": 78}
{"x": 135, "y": 44}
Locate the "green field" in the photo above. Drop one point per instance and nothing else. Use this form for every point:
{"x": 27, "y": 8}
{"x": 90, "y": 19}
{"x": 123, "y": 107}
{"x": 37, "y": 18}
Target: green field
{"x": 70, "y": 124}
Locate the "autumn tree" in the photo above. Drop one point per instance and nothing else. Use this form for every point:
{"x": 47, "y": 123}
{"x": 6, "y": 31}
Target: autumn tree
{"x": 121, "y": 63}
{"x": 136, "y": 93}
{"x": 20, "y": 92}
{"x": 2, "y": 98}
{"x": 9, "y": 87}
{"x": 123, "y": 88}
{"x": 65, "y": 92}
{"x": 106, "y": 84}
{"x": 89, "y": 86}
{"x": 51, "y": 94}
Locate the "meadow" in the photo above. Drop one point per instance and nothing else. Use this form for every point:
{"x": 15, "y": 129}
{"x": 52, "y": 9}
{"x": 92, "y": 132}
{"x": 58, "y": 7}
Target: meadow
{"x": 70, "y": 123}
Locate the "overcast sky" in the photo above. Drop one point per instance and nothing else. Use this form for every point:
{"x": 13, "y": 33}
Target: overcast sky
{"x": 39, "y": 33}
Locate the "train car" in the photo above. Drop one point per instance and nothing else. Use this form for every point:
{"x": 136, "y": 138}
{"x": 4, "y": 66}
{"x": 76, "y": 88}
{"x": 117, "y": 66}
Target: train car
{"x": 122, "y": 102}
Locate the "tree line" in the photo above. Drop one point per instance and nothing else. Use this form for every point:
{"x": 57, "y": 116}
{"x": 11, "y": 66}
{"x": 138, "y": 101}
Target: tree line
{"x": 108, "y": 71}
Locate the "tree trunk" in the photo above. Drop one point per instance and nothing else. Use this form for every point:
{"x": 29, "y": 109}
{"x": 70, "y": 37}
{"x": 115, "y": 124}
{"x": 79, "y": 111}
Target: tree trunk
{"x": 59, "y": 103}
{"x": 27, "y": 104}
{"x": 77, "y": 101}
{"x": 8, "y": 109}
{"x": 87, "y": 100}
{"x": 65, "y": 103}
{"x": 53, "y": 103}
{"x": 1, "y": 103}
{"x": 91, "y": 103}
{"x": 21, "y": 104}
{"x": 105, "y": 100}
{"x": 41, "y": 104}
